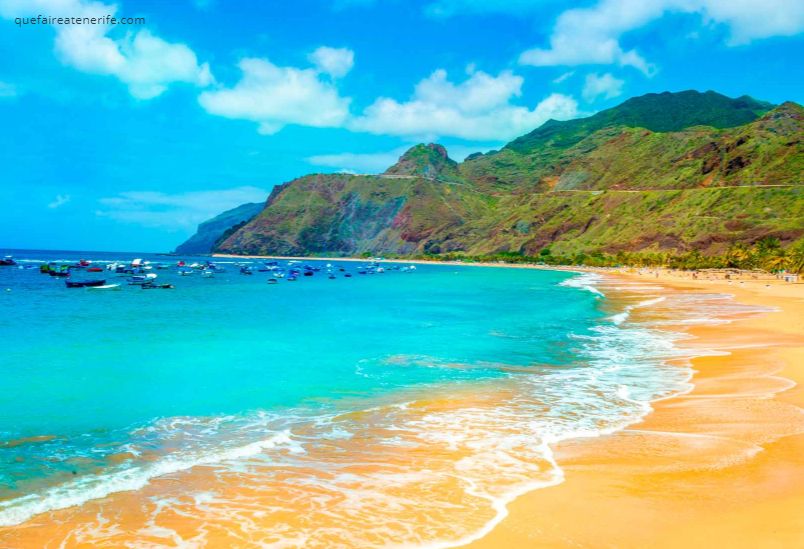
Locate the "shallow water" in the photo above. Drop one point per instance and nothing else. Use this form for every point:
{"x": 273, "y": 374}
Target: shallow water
{"x": 300, "y": 413}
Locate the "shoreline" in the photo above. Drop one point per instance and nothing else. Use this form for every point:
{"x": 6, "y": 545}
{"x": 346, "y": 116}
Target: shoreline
{"x": 660, "y": 469}
{"x": 724, "y": 457}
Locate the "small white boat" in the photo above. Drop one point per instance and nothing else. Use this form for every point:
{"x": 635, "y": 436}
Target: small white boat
{"x": 207, "y": 274}
{"x": 105, "y": 287}
{"x": 141, "y": 279}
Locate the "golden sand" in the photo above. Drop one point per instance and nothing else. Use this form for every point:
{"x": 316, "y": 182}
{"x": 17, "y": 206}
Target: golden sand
{"x": 722, "y": 466}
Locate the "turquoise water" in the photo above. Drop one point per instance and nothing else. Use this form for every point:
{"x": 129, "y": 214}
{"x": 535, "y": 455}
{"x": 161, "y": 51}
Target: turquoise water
{"x": 197, "y": 373}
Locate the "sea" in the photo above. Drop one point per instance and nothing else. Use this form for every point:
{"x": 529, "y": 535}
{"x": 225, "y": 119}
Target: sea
{"x": 398, "y": 408}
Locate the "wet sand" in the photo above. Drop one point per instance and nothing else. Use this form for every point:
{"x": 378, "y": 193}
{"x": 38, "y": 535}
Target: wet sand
{"x": 722, "y": 466}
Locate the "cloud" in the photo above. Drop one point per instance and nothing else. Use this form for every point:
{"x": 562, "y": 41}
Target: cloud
{"x": 592, "y": 35}
{"x": 563, "y": 77}
{"x": 605, "y": 85}
{"x": 276, "y": 96}
{"x": 8, "y": 91}
{"x": 479, "y": 108}
{"x": 336, "y": 62}
{"x": 59, "y": 201}
{"x": 146, "y": 63}
{"x": 180, "y": 211}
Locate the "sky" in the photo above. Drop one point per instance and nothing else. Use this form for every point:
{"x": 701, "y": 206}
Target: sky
{"x": 124, "y": 137}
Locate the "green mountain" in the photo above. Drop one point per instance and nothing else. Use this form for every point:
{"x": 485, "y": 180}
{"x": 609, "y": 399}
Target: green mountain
{"x": 527, "y": 159}
{"x": 427, "y": 161}
{"x": 671, "y": 173}
{"x": 211, "y": 231}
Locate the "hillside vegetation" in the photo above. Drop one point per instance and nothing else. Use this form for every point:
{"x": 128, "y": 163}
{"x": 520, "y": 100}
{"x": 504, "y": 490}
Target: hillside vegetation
{"x": 663, "y": 175}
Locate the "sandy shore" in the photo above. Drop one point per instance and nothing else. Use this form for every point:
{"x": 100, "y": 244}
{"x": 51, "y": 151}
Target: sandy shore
{"x": 720, "y": 466}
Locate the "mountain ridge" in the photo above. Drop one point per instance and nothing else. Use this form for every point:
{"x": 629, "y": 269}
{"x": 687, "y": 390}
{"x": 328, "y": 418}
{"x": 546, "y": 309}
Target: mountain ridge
{"x": 212, "y": 230}
{"x": 598, "y": 189}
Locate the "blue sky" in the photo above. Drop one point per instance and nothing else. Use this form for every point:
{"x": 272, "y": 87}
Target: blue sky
{"x": 126, "y": 137}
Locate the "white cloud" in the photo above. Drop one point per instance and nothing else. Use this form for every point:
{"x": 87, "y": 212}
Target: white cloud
{"x": 276, "y": 96}
{"x": 592, "y": 35}
{"x": 605, "y": 85}
{"x": 336, "y": 62}
{"x": 479, "y": 108}
{"x": 143, "y": 61}
{"x": 7, "y": 90}
{"x": 180, "y": 211}
{"x": 563, "y": 77}
{"x": 59, "y": 201}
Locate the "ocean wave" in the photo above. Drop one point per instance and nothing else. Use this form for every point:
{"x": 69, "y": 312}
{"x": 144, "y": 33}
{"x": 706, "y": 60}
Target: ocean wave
{"x": 585, "y": 281}
{"x": 483, "y": 443}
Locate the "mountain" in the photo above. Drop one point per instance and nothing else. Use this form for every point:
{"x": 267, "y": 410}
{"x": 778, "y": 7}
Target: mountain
{"x": 657, "y": 112}
{"x": 427, "y": 161}
{"x": 209, "y": 232}
{"x": 670, "y": 172}
{"x": 349, "y": 214}
{"x": 527, "y": 159}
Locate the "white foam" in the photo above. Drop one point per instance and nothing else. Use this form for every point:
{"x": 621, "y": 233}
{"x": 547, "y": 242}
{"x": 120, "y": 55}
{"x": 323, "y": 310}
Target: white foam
{"x": 585, "y": 281}
{"x": 125, "y": 478}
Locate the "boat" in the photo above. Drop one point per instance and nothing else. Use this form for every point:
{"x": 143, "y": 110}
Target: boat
{"x": 84, "y": 283}
{"x": 207, "y": 274}
{"x": 308, "y": 273}
{"x": 94, "y": 270}
{"x": 273, "y": 281}
{"x": 153, "y": 286}
{"x": 185, "y": 272}
{"x": 7, "y": 261}
{"x": 141, "y": 279}
{"x": 279, "y": 274}
{"x": 292, "y": 278}
{"x": 61, "y": 270}
{"x": 245, "y": 270}
{"x": 332, "y": 276}
{"x": 348, "y": 275}
{"x": 105, "y": 287}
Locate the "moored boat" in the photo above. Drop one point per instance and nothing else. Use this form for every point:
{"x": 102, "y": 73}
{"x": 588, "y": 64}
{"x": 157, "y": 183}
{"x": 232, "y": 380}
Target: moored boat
{"x": 138, "y": 280}
{"x": 61, "y": 270}
{"x": 7, "y": 261}
{"x": 84, "y": 283}
{"x": 105, "y": 287}
{"x": 152, "y": 286}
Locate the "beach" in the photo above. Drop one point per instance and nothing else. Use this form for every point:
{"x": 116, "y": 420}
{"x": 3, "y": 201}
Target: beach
{"x": 719, "y": 466}
{"x": 687, "y": 428}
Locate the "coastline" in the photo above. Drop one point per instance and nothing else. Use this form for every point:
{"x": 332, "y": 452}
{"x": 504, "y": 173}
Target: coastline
{"x": 722, "y": 461}
{"x": 714, "y": 457}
